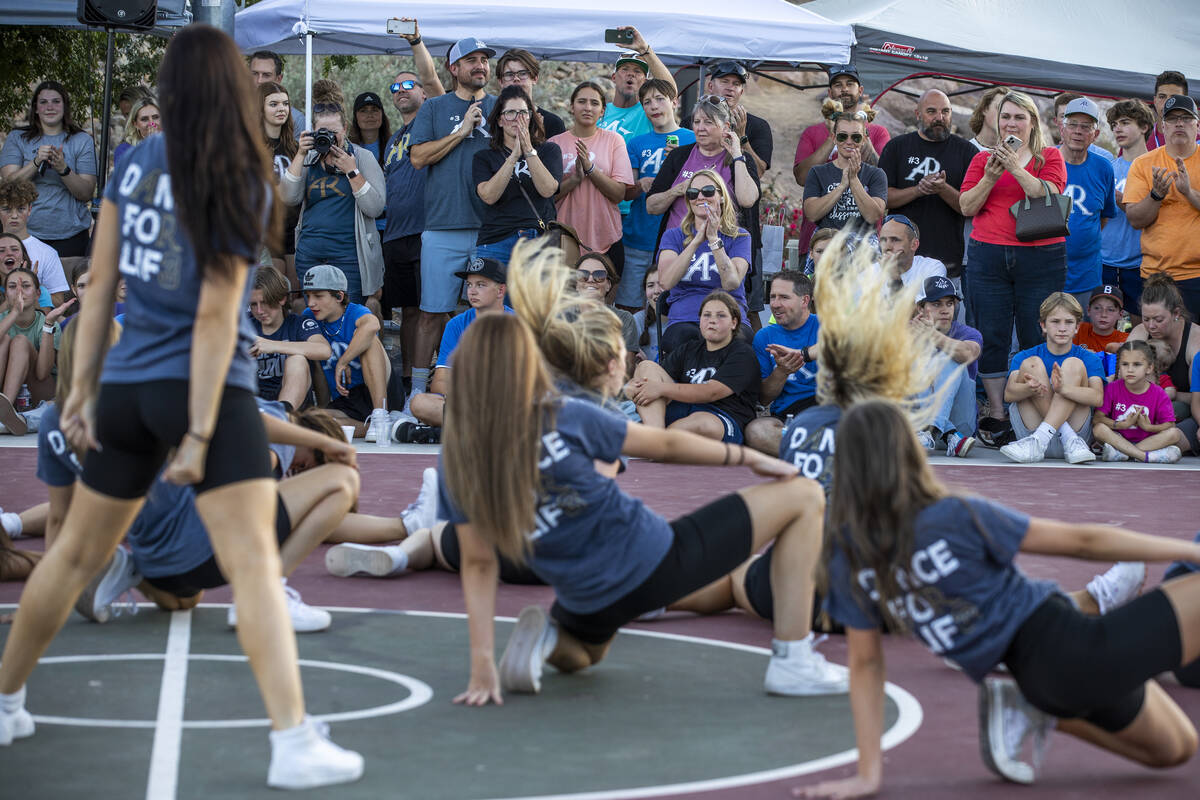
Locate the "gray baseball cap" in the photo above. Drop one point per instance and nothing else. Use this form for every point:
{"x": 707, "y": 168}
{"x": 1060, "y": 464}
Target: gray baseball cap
{"x": 324, "y": 277}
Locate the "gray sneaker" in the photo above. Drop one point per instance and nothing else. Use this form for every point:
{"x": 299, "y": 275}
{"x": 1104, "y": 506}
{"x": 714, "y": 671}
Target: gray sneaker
{"x": 1006, "y": 722}
{"x": 530, "y": 644}
{"x": 98, "y": 602}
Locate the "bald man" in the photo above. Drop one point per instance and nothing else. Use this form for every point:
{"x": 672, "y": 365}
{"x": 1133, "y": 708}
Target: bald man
{"x": 925, "y": 170}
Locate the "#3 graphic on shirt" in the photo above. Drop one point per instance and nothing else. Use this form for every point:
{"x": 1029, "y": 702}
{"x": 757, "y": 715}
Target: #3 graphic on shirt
{"x": 700, "y": 374}
{"x": 150, "y": 241}
{"x": 652, "y": 159}
{"x": 922, "y": 167}
{"x": 480, "y": 127}
{"x": 1132, "y": 412}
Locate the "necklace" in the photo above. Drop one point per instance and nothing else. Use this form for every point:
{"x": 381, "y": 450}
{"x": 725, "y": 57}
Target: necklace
{"x": 341, "y": 324}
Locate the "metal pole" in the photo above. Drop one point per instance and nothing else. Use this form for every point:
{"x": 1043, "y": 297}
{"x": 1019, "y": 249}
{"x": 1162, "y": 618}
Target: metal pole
{"x": 106, "y": 114}
{"x": 218, "y": 13}
{"x": 308, "y": 80}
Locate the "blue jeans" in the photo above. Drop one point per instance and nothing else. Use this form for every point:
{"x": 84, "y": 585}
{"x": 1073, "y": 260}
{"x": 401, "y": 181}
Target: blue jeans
{"x": 957, "y": 410}
{"x": 631, "y": 293}
{"x": 1007, "y": 283}
{"x": 502, "y": 250}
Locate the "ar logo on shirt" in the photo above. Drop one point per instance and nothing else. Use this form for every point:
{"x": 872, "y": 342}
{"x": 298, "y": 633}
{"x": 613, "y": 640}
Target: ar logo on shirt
{"x": 701, "y": 375}
{"x": 652, "y": 162}
{"x": 395, "y": 153}
{"x": 521, "y": 168}
{"x": 926, "y": 166}
{"x": 703, "y": 264}
{"x": 1078, "y": 197}
{"x": 325, "y": 186}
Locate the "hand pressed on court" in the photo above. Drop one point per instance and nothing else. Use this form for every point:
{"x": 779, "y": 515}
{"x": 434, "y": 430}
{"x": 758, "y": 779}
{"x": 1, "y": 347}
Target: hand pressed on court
{"x": 483, "y": 687}
{"x": 857, "y": 786}
{"x": 769, "y": 467}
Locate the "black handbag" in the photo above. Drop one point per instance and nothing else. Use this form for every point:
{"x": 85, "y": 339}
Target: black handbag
{"x": 1042, "y": 217}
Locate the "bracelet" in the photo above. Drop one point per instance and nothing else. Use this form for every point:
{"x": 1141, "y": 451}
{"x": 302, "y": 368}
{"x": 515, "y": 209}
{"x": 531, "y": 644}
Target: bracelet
{"x": 725, "y": 463}
{"x": 804, "y": 352}
{"x": 1158, "y": 197}
{"x": 744, "y": 139}
{"x": 198, "y": 437}
{"x": 737, "y": 159}
{"x": 590, "y": 170}
{"x": 48, "y": 329}
{"x": 414, "y": 42}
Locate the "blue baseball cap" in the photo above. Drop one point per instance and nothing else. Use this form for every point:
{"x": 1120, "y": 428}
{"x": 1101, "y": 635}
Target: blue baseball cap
{"x": 464, "y": 47}
{"x": 937, "y": 287}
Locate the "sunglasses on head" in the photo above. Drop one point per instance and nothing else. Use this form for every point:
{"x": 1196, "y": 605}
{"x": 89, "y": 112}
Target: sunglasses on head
{"x": 713, "y": 100}
{"x": 854, "y": 137}
{"x": 707, "y": 191}
{"x": 407, "y": 85}
{"x": 326, "y": 108}
{"x": 593, "y": 275}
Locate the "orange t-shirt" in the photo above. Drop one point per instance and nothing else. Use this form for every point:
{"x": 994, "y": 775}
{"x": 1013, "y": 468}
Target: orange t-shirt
{"x": 1086, "y": 337}
{"x": 1169, "y": 245}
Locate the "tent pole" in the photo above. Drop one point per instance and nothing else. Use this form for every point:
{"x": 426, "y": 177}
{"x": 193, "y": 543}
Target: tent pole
{"x": 308, "y": 81}
{"x": 106, "y": 114}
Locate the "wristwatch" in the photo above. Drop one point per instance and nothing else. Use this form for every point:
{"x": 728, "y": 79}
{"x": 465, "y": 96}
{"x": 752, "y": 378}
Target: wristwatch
{"x": 65, "y": 172}
{"x": 718, "y": 245}
{"x": 745, "y": 139}
{"x": 352, "y": 174}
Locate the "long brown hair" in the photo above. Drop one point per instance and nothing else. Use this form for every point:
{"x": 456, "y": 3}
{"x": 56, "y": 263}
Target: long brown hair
{"x": 221, "y": 174}
{"x": 499, "y": 400}
{"x": 287, "y": 131}
{"x": 33, "y": 128}
{"x": 537, "y": 134}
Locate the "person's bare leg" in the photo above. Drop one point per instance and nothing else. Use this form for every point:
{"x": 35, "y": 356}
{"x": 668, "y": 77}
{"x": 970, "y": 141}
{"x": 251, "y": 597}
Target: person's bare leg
{"x": 367, "y": 529}
{"x": 376, "y": 369}
{"x": 712, "y": 599}
{"x": 240, "y": 519}
{"x": 1106, "y": 435}
{"x": 1157, "y": 441}
{"x": 167, "y": 601}
{"x": 994, "y": 388}
{"x": 653, "y": 414}
{"x": 764, "y": 434}
{"x": 21, "y": 356}
{"x": 5, "y": 345}
{"x": 33, "y": 520}
{"x": 419, "y": 549}
{"x": 341, "y": 418}
{"x": 1160, "y": 735}
{"x": 427, "y": 337}
{"x": 428, "y": 408}
{"x": 15, "y": 564}
{"x": 296, "y": 381}
{"x": 317, "y": 501}
{"x": 701, "y": 423}
{"x": 94, "y": 524}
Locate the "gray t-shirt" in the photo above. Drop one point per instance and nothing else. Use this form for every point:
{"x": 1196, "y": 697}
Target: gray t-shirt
{"x": 56, "y": 213}
{"x": 451, "y": 202}
{"x": 824, "y": 178}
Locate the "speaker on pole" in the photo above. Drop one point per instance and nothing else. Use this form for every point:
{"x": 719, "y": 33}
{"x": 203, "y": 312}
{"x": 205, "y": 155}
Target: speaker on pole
{"x": 131, "y": 15}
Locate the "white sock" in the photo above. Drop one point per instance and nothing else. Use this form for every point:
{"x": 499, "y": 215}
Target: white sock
{"x": 550, "y": 641}
{"x": 382, "y": 411}
{"x": 420, "y": 380}
{"x": 11, "y": 523}
{"x": 1044, "y": 434}
{"x": 1067, "y": 433}
{"x": 13, "y": 702}
{"x": 398, "y": 556}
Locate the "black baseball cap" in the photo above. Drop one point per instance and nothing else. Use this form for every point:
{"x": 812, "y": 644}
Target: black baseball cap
{"x": 1111, "y": 292}
{"x": 488, "y": 268}
{"x": 729, "y": 68}
{"x": 1180, "y": 102}
{"x": 367, "y": 99}
{"x": 937, "y": 287}
{"x": 843, "y": 69}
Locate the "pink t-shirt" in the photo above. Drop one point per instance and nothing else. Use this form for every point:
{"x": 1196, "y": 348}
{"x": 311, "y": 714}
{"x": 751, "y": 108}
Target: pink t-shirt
{"x": 594, "y": 217}
{"x": 994, "y": 223}
{"x": 697, "y": 161}
{"x": 1119, "y": 401}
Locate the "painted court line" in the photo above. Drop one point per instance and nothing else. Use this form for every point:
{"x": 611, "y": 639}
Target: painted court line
{"x": 168, "y": 731}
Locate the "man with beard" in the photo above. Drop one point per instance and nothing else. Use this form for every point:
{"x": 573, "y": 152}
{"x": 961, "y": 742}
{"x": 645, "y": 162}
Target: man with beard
{"x": 446, "y": 134}
{"x": 925, "y": 171}
{"x": 816, "y": 142}
{"x": 624, "y": 115}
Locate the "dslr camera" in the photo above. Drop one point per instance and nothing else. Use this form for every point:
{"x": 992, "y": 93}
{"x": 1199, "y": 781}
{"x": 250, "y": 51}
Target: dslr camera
{"x": 323, "y": 139}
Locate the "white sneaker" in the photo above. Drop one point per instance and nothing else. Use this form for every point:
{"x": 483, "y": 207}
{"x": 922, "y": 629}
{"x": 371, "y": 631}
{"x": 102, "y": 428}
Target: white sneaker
{"x": 303, "y": 757}
{"x": 959, "y": 446}
{"x": 1110, "y": 453}
{"x": 531, "y": 642}
{"x": 378, "y": 427}
{"x": 33, "y": 417}
{"x": 15, "y": 724}
{"x": 1076, "y": 451}
{"x": 1024, "y": 451}
{"x": 1121, "y": 583}
{"x": 422, "y": 513}
{"x": 305, "y": 618}
{"x": 345, "y": 560}
{"x": 796, "y": 669}
{"x": 98, "y": 602}
{"x": 1166, "y": 455}
{"x": 925, "y": 439}
{"x": 1006, "y": 722}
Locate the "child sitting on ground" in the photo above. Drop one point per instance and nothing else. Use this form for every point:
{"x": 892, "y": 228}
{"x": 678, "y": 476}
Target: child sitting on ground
{"x": 1100, "y": 334}
{"x": 1136, "y": 420}
{"x": 1163, "y": 359}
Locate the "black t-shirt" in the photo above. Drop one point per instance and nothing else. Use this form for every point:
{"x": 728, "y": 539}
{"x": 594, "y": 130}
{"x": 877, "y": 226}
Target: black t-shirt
{"x": 758, "y": 131}
{"x": 909, "y": 158}
{"x": 734, "y": 365}
{"x": 552, "y": 123}
{"x": 512, "y": 211}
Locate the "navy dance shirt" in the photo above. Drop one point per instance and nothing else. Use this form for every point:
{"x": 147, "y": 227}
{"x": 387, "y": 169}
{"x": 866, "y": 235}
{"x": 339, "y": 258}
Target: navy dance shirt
{"x": 808, "y": 443}
{"x": 161, "y": 280}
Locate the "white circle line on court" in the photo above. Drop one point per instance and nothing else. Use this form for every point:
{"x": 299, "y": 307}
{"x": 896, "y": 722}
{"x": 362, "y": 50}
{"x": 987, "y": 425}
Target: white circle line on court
{"x": 420, "y": 693}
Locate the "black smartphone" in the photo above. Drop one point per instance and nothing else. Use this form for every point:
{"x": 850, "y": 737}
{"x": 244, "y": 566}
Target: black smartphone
{"x": 618, "y": 35}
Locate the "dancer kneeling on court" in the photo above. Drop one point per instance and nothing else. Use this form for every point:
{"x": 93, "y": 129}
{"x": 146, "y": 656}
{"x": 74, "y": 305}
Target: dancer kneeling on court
{"x": 529, "y": 489}
{"x": 905, "y": 552}
{"x": 181, "y": 378}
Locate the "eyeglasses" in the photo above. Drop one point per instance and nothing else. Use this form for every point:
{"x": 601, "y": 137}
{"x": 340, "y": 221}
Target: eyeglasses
{"x": 1085, "y": 127}
{"x": 707, "y": 191}
{"x": 1179, "y": 119}
{"x": 854, "y": 137}
{"x": 593, "y": 275}
{"x": 519, "y": 75}
{"x": 407, "y": 85}
{"x": 326, "y": 108}
{"x": 513, "y": 113}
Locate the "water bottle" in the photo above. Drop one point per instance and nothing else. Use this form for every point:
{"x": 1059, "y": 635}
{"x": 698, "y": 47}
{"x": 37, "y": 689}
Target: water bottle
{"x": 23, "y": 399}
{"x": 385, "y": 439}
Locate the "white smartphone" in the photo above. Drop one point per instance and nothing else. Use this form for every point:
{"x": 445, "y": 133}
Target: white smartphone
{"x": 1013, "y": 142}
{"x": 400, "y": 27}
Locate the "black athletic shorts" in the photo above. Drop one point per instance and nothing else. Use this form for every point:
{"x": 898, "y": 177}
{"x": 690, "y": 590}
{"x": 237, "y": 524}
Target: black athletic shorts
{"x": 757, "y": 585}
{"x": 356, "y": 405}
{"x": 1076, "y": 666}
{"x": 708, "y": 544}
{"x": 137, "y": 424}
{"x": 510, "y": 572}
{"x": 401, "y": 273}
{"x": 795, "y": 408}
{"x": 208, "y": 575}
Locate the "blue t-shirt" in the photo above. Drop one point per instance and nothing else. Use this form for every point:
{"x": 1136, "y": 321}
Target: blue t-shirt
{"x": 592, "y": 542}
{"x": 646, "y": 154}
{"x": 1093, "y": 365}
{"x": 326, "y": 233}
{"x": 808, "y": 443}
{"x": 1091, "y": 187}
{"x": 454, "y": 331}
{"x": 270, "y": 365}
{"x": 702, "y": 275}
{"x": 167, "y": 537}
{"x": 161, "y": 281}
{"x": 801, "y": 384}
{"x": 1195, "y": 380}
{"x": 628, "y": 122}
{"x": 405, "y": 188}
{"x": 339, "y": 333}
{"x": 451, "y": 202}
{"x": 1120, "y": 242}
{"x": 965, "y": 598}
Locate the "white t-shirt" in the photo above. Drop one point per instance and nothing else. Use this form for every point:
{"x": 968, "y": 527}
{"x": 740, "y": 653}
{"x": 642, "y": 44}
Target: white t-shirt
{"x": 49, "y": 265}
{"x": 922, "y": 267}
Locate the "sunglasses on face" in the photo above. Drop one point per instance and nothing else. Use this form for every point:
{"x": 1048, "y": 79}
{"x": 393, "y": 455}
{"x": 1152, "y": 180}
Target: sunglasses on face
{"x": 854, "y": 137}
{"x": 513, "y": 113}
{"x": 407, "y": 85}
{"x": 707, "y": 191}
{"x": 593, "y": 275}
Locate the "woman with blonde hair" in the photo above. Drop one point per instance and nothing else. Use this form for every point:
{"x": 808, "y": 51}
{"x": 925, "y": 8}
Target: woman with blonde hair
{"x": 143, "y": 121}
{"x": 708, "y": 251}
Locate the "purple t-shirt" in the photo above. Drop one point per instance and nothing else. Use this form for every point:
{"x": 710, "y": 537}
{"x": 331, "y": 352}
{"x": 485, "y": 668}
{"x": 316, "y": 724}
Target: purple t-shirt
{"x": 702, "y": 275}
{"x": 696, "y": 161}
{"x": 965, "y": 333}
{"x": 1119, "y": 401}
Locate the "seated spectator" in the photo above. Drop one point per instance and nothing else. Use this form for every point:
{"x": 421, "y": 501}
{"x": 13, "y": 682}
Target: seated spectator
{"x": 340, "y": 192}
{"x": 899, "y": 239}
{"x": 1162, "y": 365}
{"x": 286, "y": 342}
{"x": 954, "y": 425}
{"x": 60, "y": 159}
{"x": 1100, "y": 334}
{"x": 647, "y": 153}
{"x": 142, "y": 121}
{"x": 17, "y": 197}
{"x": 14, "y": 256}
{"x": 1052, "y": 389}
{"x": 595, "y": 276}
{"x": 357, "y": 369}
{"x": 1120, "y": 245}
{"x": 647, "y": 319}
{"x": 846, "y": 192}
{"x": 29, "y": 341}
{"x": 595, "y": 175}
{"x": 519, "y": 67}
{"x": 1164, "y": 318}
{"x": 707, "y": 251}
{"x": 816, "y": 248}
{"x": 281, "y": 141}
{"x": 516, "y": 177}
{"x": 787, "y": 359}
{"x": 1136, "y": 420}
{"x": 708, "y": 386}
{"x": 486, "y": 284}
